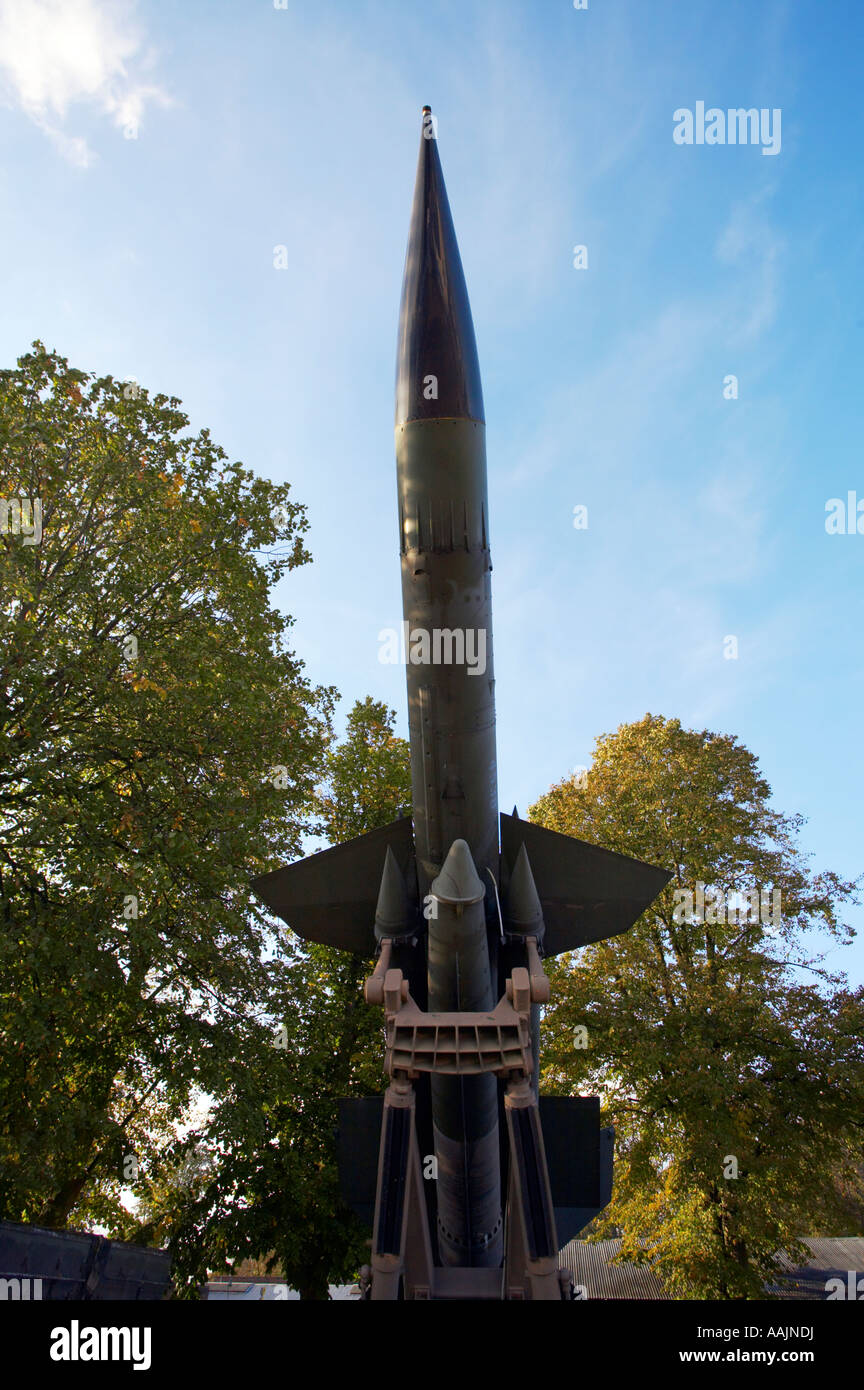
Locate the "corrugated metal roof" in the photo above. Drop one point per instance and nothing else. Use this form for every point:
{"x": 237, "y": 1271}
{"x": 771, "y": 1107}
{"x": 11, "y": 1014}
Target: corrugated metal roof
{"x": 592, "y": 1268}
{"x": 841, "y": 1252}
{"x": 832, "y": 1258}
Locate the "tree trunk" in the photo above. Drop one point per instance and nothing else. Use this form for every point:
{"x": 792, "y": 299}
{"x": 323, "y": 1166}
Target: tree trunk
{"x": 55, "y": 1213}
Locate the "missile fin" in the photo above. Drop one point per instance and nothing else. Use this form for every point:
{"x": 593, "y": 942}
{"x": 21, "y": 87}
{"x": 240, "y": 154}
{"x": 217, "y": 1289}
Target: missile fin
{"x": 586, "y": 893}
{"x": 332, "y": 896}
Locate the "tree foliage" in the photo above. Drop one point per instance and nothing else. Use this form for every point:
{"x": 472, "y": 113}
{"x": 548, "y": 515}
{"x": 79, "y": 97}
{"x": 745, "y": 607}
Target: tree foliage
{"x": 274, "y": 1187}
{"x": 729, "y": 1059}
{"x": 162, "y": 745}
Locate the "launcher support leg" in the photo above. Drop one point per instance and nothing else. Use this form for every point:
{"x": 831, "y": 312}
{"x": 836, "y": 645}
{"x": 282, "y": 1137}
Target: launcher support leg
{"x": 401, "y": 1247}
{"x": 531, "y": 1258}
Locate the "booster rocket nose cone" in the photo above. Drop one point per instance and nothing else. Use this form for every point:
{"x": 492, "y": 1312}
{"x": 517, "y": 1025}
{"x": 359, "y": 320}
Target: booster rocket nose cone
{"x": 458, "y": 882}
{"x": 524, "y": 913}
{"x": 392, "y": 911}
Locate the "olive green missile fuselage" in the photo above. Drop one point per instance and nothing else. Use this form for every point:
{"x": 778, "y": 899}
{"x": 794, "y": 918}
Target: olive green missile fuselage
{"x": 447, "y": 618}
{"x": 446, "y": 597}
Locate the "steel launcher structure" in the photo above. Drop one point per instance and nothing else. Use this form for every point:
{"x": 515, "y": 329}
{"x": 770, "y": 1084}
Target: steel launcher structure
{"x": 471, "y": 1181}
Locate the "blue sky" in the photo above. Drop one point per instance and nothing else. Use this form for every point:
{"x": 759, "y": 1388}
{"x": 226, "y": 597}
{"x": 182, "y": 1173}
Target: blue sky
{"x": 152, "y": 155}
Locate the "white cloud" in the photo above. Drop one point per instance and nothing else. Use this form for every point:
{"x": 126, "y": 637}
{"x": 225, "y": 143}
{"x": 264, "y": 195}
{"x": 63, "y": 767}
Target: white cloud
{"x": 748, "y": 241}
{"x": 57, "y": 53}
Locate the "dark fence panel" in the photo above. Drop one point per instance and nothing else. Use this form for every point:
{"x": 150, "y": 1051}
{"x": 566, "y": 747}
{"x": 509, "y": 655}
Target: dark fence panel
{"x": 77, "y": 1265}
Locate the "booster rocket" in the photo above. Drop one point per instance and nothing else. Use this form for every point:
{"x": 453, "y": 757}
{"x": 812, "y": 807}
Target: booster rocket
{"x": 459, "y": 902}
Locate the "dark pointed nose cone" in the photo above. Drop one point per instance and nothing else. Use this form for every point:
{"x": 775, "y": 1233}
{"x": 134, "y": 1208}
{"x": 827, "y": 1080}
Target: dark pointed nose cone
{"x": 458, "y": 882}
{"x": 523, "y": 913}
{"x": 437, "y": 372}
{"x": 392, "y": 912}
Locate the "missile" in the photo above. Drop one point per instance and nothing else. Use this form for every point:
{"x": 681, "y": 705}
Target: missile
{"x": 447, "y": 598}
{"x": 456, "y": 895}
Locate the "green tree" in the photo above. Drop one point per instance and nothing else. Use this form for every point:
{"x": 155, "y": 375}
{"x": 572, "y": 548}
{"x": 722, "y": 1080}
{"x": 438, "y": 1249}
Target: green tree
{"x": 368, "y": 775}
{"x": 274, "y": 1186}
{"x": 730, "y": 1061}
{"x": 161, "y": 746}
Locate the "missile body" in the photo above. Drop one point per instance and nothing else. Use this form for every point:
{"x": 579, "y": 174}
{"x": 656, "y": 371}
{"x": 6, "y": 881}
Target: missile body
{"x": 444, "y": 540}
{"x": 447, "y": 612}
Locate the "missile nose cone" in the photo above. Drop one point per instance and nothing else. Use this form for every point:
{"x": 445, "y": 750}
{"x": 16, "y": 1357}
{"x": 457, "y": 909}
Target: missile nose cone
{"x": 437, "y": 372}
{"x": 458, "y": 882}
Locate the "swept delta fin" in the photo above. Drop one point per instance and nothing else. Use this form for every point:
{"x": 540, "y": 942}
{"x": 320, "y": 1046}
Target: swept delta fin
{"x": 332, "y": 896}
{"x": 586, "y": 893}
